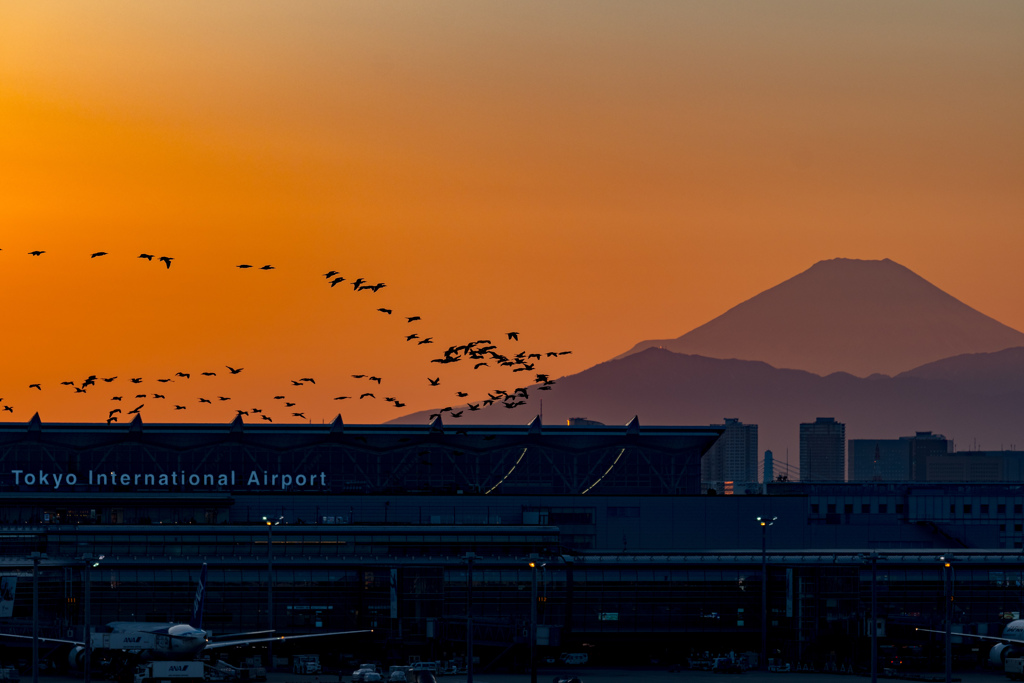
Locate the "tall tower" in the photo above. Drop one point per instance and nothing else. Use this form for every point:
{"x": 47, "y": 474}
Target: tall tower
{"x": 822, "y": 450}
{"x": 734, "y": 455}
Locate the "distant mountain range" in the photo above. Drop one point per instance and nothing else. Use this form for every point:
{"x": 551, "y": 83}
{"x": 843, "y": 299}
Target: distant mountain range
{"x": 664, "y": 387}
{"x": 867, "y": 342}
{"x": 845, "y": 315}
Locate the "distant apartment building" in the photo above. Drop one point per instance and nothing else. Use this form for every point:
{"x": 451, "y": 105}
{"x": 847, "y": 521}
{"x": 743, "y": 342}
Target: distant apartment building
{"x": 823, "y": 450}
{"x": 733, "y": 457}
{"x": 902, "y": 459}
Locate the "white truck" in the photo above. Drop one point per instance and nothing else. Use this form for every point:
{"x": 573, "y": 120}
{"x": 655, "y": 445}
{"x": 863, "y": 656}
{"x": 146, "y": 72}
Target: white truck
{"x": 169, "y": 672}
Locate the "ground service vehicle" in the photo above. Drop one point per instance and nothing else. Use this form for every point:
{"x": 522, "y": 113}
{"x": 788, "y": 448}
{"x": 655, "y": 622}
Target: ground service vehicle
{"x": 169, "y": 672}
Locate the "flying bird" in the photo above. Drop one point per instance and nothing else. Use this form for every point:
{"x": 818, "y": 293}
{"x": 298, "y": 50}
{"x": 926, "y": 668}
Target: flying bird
{"x": 146, "y": 256}
{"x": 399, "y": 404}
{"x": 244, "y": 265}
{"x": 136, "y": 410}
{"x": 179, "y": 407}
{"x": 307, "y": 379}
{"x": 108, "y": 380}
{"x": 410, "y": 337}
{"x": 98, "y": 253}
{"x": 358, "y": 281}
{"x": 478, "y": 365}
{"x": 166, "y": 259}
{"x": 9, "y": 409}
{"x": 165, "y": 381}
{"x": 136, "y": 380}
{"x": 337, "y": 280}
{"x": 115, "y": 398}
{"x": 242, "y": 412}
{"x": 302, "y": 415}
{"x": 330, "y": 274}
{"x": 367, "y": 394}
{"x": 182, "y": 374}
{"x": 159, "y": 396}
{"x": 385, "y": 310}
{"x": 374, "y": 379}
{"x": 36, "y": 386}
{"x": 513, "y": 335}
{"x": 79, "y": 390}
{"x": 410, "y": 319}
{"x": 434, "y": 382}
{"x": 224, "y": 398}
{"x": 288, "y": 405}
{"x": 36, "y": 253}
{"x": 68, "y": 384}
{"x": 266, "y": 418}
{"x": 428, "y": 340}
{"x": 278, "y": 398}
{"x": 266, "y": 267}
{"x": 341, "y": 398}
{"x": 140, "y": 395}
{"x": 296, "y": 384}
{"x": 209, "y": 374}
{"x": 358, "y": 376}
{"x": 204, "y": 400}
{"x": 111, "y": 419}
{"x": 461, "y": 394}
{"x": 233, "y": 370}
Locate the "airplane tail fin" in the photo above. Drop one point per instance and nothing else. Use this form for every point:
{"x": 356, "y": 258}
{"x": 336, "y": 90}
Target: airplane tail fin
{"x": 197, "y": 606}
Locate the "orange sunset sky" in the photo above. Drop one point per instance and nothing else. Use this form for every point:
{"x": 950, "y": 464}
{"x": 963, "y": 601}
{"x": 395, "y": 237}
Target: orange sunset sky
{"x": 588, "y": 174}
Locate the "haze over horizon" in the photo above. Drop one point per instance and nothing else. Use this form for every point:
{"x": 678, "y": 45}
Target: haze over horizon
{"x": 588, "y": 175}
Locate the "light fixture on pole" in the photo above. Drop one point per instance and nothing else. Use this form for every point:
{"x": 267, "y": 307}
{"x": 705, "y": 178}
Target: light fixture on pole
{"x": 88, "y": 564}
{"x": 764, "y": 522}
{"x": 271, "y": 523}
{"x": 948, "y": 590}
{"x": 533, "y": 621}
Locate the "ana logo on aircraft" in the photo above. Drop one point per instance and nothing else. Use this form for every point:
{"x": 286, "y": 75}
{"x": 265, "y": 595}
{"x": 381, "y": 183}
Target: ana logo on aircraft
{"x": 136, "y": 639}
{"x": 180, "y": 667}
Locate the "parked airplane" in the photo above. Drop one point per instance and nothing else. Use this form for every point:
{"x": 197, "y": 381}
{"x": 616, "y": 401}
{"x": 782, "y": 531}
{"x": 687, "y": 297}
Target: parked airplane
{"x": 146, "y": 640}
{"x": 1011, "y": 643}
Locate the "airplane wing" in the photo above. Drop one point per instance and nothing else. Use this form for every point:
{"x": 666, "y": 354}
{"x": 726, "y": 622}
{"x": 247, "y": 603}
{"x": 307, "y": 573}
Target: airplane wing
{"x": 250, "y": 641}
{"x": 974, "y": 635}
{"x": 44, "y": 640}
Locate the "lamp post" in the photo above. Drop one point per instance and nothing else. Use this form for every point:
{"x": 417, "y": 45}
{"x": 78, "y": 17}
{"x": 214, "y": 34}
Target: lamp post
{"x": 948, "y": 578}
{"x": 271, "y": 523}
{"x": 533, "y": 622}
{"x": 874, "y": 617}
{"x": 469, "y": 557}
{"x": 36, "y": 557}
{"x": 88, "y": 564}
{"x": 765, "y": 522}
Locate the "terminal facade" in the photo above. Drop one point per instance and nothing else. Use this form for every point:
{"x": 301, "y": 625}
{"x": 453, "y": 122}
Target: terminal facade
{"x": 407, "y": 529}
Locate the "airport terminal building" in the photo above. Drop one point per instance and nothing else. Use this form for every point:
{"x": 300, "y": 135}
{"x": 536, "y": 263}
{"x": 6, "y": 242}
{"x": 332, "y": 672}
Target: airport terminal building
{"x": 408, "y": 529}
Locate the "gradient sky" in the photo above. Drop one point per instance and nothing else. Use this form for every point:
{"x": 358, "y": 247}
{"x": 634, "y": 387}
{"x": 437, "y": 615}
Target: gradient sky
{"x": 589, "y": 174}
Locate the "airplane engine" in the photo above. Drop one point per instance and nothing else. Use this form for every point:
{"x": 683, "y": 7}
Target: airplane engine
{"x": 76, "y": 657}
{"x": 999, "y": 652}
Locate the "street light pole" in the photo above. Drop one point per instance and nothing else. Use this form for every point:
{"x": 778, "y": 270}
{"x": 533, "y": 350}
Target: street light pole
{"x": 874, "y": 618}
{"x": 469, "y": 616}
{"x": 270, "y": 587}
{"x": 36, "y": 557}
{"x": 947, "y": 594}
{"x": 765, "y": 522}
{"x": 533, "y": 622}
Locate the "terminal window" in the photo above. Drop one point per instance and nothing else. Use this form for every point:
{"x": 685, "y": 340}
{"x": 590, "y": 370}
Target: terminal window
{"x": 967, "y": 508}
{"x": 984, "y": 508}
{"x": 1001, "y": 508}
{"x": 865, "y": 507}
{"x": 883, "y": 508}
{"x": 1018, "y": 508}
{"x": 848, "y": 508}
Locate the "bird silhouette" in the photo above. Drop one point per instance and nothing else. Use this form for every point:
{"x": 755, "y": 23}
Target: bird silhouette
{"x": 255, "y": 410}
{"x": 159, "y": 396}
{"x": 266, "y": 267}
{"x": 296, "y": 384}
{"x": 182, "y": 374}
{"x": 473, "y": 406}
{"x": 98, "y": 253}
{"x": 115, "y": 398}
{"x": 233, "y": 370}
{"x": 307, "y": 379}
{"x": 358, "y": 281}
{"x": 223, "y": 398}
{"x": 136, "y": 380}
{"x": 266, "y": 418}
{"x": 412, "y": 318}
{"x": 108, "y": 380}
{"x": 479, "y": 365}
{"x": 399, "y": 404}
{"x": 434, "y": 382}
{"x": 385, "y": 310}
{"x": 111, "y": 419}
{"x": 367, "y": 394}
{"x": 458, "y": 414}
{"x": 164, "y": 381}
{"x": 115, "y": 410}
{"x": 428, "y": 340}
{"x": 302, "y": 415}
{"x": 209, "y": 374}
{"x": 244, "y": 265}
{"x": 341, "y": 398}
{"x": 179, "y": 407}
{"x": 68, "y": 384}
{"x": 374, "y": 379}
{"x": 204, "y": 400}
{"x": 9, "y": 409}
{"x": 278, "y": 398}
{"x": 140, "y": 395}
{"x": 136, "y": 410}
{"x": 337, "y": 280}
{"x": 79, "y": 390}
{"x": 358, "y": 376}
{"x": 330, "y": 274}
{"x": 242, "y": 412}
{"x": 461, "y": 394}
{"x": 166, "y": 259}
{"x": 410, "y": 337}
{"x": 148, "y": 257}
{"x": 36, "y": 253}
{"x": 36, "y": 386}
{"x": 513, "y": 335}
{"x": 288, "y": 405}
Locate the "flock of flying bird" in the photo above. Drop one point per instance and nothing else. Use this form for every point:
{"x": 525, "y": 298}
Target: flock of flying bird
{"x": 481, "y": 353}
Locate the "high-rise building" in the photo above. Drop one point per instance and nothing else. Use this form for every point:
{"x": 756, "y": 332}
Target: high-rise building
{"x": 734, "y": 455}
{"x": 822, "y": 450}
{"x": 903, "y": 459}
